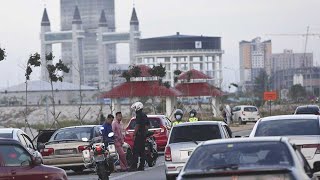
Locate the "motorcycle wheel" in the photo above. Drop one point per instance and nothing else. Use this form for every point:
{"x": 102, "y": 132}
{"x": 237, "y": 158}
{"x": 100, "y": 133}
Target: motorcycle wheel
{"x": 102, "y": 172}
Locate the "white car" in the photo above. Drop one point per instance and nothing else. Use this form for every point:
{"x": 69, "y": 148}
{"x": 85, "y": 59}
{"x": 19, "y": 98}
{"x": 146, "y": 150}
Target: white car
{"x": 302, "y": 130}
{"x": 22, "y": 137}
{"x": 244, "y": 114}
{"x": 185, "y": 137}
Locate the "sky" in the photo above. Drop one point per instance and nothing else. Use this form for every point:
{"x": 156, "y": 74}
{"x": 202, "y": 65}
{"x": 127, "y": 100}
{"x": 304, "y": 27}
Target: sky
{"x": 233, "y": 20}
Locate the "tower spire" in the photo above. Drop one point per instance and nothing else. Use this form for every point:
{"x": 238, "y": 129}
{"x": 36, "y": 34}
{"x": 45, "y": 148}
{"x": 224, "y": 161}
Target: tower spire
{"x": 45, "y": 19}
{"x": 103, "y": 20}
{"x": 134, "y": 19}
{"x": 76, "y": 17}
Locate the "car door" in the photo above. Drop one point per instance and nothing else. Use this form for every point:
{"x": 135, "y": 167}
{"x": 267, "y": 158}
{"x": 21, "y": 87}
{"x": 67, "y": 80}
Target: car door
{"x": 3, "y": 173}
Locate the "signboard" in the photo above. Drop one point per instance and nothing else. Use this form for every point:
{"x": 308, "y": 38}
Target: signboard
{"x": 198, "y": 45}
{"x": 271, "y": 95}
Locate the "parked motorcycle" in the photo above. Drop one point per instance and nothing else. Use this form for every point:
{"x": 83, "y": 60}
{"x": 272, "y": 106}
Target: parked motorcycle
{"x": 151, "y": 149}
{"x": 99, "y": 158}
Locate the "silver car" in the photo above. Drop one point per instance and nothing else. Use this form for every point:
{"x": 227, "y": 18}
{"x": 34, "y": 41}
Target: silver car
{"x": 185, "y": 137}
{"x": 22, "y": 137}
{"x": 247, "y": 158}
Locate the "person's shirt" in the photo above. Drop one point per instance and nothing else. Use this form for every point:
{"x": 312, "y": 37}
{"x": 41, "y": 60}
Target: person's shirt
{"x": 176, "y": 122}
{"x": 143, "y": 122}
{"x": 107, "y": 128}
{"x": 117, "y": 129}
{"x": 193, "y": 119}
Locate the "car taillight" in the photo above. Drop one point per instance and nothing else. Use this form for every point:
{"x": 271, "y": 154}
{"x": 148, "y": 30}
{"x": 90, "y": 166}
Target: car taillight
{"x": 47, "y": 151}
{"x": 98, "y": 149}
{"x": 81, "y": 148}
{"x": 167, "y": 154}
{"x": 313, "y": 146}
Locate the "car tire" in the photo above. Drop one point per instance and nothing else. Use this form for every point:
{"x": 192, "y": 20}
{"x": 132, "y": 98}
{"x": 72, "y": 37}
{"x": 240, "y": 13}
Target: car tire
{"x": 170, "y": 177}
{"x": 78, "y": 169}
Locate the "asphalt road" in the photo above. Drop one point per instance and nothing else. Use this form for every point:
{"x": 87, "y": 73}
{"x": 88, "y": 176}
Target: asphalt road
{"x": 154, "y": 173}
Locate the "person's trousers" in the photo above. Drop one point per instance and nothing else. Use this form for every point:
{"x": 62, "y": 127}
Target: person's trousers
{"x": 122, "y": 156}
{"x": 138, "y": 151}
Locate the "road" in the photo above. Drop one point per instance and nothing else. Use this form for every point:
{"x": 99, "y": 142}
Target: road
{"x": 154, "y": 173}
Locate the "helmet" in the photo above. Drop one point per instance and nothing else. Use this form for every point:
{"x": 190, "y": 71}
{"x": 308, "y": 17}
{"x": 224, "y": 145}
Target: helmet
{"x": 178, "y": 114}
{"x": 193, "y": 112}
{"x": 137, "y": 106}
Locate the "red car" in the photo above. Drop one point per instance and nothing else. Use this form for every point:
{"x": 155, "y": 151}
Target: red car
{"x": 17, "y": 163}
{"x": 160, "y": 125}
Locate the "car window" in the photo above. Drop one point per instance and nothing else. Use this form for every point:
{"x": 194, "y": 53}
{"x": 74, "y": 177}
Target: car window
{"x": 307, "y": 110}
{"x": 13, "y": 155}
{"x": 72, "y": 134}
{"x": 154, "y": 123}
{"x": 21, "y": 139}
{"x": 224, "y": 131}
{"x": 6, "y": 135}
{"x": 250, "y": 109}
{"x": 304, "y": 162}
{"x": 288, "y": 127}
{"x": 97, "y": 131}
{"x": 241, "y": 155}
{"x": 194, "y": 133}
{"x": 235, "y": 109}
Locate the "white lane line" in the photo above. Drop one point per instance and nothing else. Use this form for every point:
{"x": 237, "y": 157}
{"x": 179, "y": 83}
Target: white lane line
{"x": 132, "y": 173}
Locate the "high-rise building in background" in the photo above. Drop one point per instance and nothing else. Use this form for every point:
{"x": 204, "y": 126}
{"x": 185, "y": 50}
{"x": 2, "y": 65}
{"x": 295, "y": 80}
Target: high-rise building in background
{"x": 254, "y": 57}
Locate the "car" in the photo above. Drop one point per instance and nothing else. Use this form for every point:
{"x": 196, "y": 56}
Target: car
{"x": 245, "y": 113}
{"x": 302, "y": 130}
{"x": 23, "y": 138}
{"x": 160, "y": 126}
{"x": 65, "y": 146}
{"x": 247, "y": 158}
{"x": 185, "y": 137}
{"x": 16, "y": 162}
{"x": 308, "y": 109}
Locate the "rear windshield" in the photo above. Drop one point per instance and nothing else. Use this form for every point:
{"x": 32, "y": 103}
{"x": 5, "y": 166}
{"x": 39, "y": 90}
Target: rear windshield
{"x": 217, "y": 157}
{"x": 288, "y": 127}
{"x": 154, "y": 123}
{"x": 6, "y": 135}
{"x": 308, "y": 110}
{"x": 250, "y": 109}
{"x": 72, "y": 134}
{"x": 194, "y": 133}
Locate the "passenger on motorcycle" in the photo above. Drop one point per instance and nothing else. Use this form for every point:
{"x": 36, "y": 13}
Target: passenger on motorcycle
{"x": 178, "y": 117}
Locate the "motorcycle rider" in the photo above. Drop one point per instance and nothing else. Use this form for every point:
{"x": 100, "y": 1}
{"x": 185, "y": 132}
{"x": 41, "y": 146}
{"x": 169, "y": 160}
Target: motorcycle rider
{"x": 139, "y": 137}
{"x": 178, "y": 117}
{"x": 106, "y": 129}
{"x": 192, "y": 117}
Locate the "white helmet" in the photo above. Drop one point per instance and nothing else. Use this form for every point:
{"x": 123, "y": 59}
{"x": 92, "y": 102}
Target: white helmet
{"x": 137, "y": 106}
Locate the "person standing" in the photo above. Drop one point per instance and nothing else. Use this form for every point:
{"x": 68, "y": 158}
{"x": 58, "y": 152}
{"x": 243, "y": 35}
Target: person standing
{"x": 119, "y": 140}
{"x": 178, "y": 117}
{"x": 139, "y": 137}
{"x": 107, "y": 128}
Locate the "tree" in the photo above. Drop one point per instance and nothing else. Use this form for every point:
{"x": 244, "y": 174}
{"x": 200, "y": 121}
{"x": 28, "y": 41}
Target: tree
{"x": 126, "y": 75}
{"x": 158, "y": 71}
{"x": 297, "y": 92}
{"x": 176, "y": 74}
{"x": 2, "y": 54}
{"x": 55, "y": 73}
{"x": 261, "y": 83}
{"x": 189, "y": 75}
{"x": 135, "y": 71}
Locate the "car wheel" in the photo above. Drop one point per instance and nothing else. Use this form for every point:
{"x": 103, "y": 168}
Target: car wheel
{"x": 78, "y": 169}
{"x": 170, "y": 177}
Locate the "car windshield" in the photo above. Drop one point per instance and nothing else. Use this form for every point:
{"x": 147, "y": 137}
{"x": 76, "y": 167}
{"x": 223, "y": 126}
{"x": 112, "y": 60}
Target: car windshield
{"x": 232, "y": 156}
{"x": 72, "y": 134}
{"x": 154, "y": 123}
{"x": 308, "y": 110}
{"x": 5, "y": 135}
{"x": 288, "y": 127}
{"x": 194, "y": 133}
{"x": 250, "y": 109}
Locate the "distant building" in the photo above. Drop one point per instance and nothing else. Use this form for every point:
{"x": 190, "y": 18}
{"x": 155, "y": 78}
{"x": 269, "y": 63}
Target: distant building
{"x": 183, "y": 52}
{"x": 308, "y": 77}
{"x": 254, "y": 57}
{"x": 290, "y": 60}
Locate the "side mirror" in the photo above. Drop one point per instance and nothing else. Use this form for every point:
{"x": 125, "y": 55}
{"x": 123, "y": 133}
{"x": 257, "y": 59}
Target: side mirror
{"x": 316, "y": 167}
{"x": 40, "y": 146}
{"x": 37, "y": 161}
{"x": 111, "y": 134}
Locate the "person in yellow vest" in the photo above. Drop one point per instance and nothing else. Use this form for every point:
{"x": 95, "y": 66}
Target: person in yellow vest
{"x": 178, "y": 117}
{"x": 193, "y": 114}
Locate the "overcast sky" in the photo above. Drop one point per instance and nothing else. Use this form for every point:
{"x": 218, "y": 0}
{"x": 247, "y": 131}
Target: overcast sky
{"x": 233, "y": 20}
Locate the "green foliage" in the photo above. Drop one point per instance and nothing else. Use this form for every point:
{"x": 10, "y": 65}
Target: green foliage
{"x": 33, "y": 61}
{"x": 2, "y": 54}
{"x": 297, "y": 91}
{"x": 159, "y": 71}
{"x": 126, "y": 75}
{"x": 166, "y": 84}
{"x": 177, "y": 72}
{"x": 135, "y": 71}
{"x": 54, "y": 70}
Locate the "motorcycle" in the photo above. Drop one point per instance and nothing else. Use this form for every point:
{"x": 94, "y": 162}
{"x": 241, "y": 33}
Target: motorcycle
{"x": 151, "y": 149}
{"x": 99, "y": 158}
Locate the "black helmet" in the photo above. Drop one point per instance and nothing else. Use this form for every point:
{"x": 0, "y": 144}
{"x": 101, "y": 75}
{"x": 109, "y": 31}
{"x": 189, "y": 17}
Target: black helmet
{"x": 178, "y": 112}
{"x": 193, "y": 111}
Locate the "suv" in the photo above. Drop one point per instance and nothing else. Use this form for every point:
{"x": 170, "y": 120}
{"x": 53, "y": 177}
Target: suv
{"x": 308, "y": 109}
{"x": 16, "y": 162}
{"x": 160, "y": 125}
{"x": 244, "y": 114}
{"x": 185, "y": 137}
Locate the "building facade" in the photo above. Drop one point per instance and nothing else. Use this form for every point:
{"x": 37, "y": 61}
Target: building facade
{"x": 290, "y": 60}
{"x": 254, "y": 57}
{"x": 88, "y": 40}
{"x": 183, "y": 52}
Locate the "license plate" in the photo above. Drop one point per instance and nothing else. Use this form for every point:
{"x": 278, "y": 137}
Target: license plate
{"x": 112, "y": 148}
{"x": 99, "y": 158}
{"x": 251, "y": 119}
{"x": 66, "y": 151}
